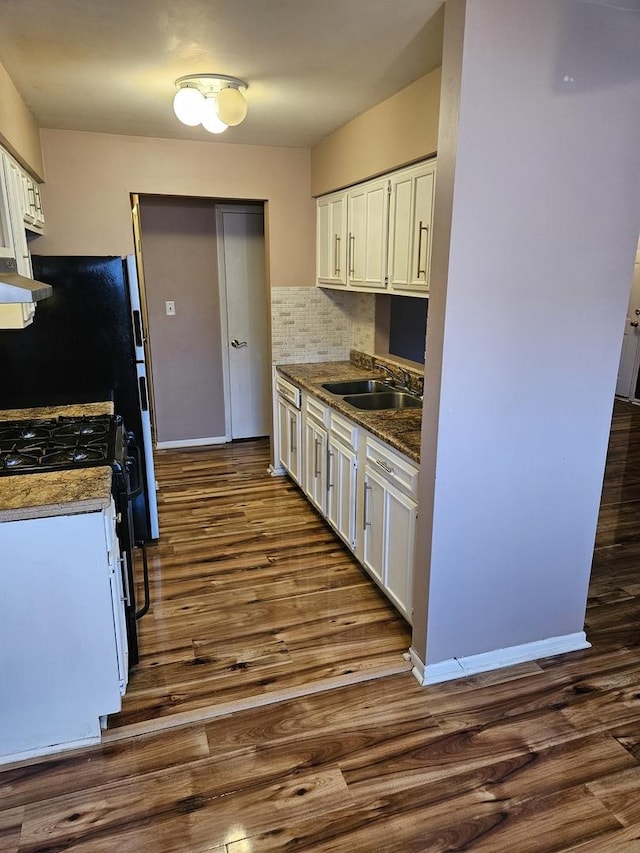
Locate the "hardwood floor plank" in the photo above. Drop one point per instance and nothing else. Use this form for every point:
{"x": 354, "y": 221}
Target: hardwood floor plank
{"x": 10, "y": 828}
{"x": 89, "y": 768}
{"x": 198, "y": 804}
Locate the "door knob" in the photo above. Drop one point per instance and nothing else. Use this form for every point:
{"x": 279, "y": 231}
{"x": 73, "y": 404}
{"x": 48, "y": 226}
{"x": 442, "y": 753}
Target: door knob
{"x": 236, "y": 344}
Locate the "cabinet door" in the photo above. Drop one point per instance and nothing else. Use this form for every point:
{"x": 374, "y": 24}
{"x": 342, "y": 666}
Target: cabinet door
{"x": 368, "y": 218}
{"x": 341, "y": 491}
{"x": 315, "y": 464}
{"x": 7, "y": 249}
{"x": 388, "y": 540}
{"x": 400, "y": 525}
{"x": 410, "y": 218}
{"x": 331, "y": 227}
{"x": 295, "y": 440}
{"x": 17, "y": 195}
{"x": 373, "y": 524}
{"x": 284, "y": 434}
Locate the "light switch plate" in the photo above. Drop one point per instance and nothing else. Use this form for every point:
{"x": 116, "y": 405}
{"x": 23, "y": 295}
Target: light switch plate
{"x": 170, "y": 308}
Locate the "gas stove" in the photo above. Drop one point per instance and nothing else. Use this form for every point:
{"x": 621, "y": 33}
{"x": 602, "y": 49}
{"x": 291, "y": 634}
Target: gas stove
{"x": 50, "y": 444}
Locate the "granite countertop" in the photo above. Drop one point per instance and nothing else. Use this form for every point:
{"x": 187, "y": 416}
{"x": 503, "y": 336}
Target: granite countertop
{"x": 54, "y": 493}
{"x": 38, "y": 412}
{"x": 399, "y": 428}
{"x": 69, "y": 492}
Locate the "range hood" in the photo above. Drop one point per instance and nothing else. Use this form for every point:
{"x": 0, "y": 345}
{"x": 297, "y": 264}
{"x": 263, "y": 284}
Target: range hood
{"x": 19, "y": 288}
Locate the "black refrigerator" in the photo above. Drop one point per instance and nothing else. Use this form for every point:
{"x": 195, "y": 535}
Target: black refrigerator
{"x": 86, "y": 345}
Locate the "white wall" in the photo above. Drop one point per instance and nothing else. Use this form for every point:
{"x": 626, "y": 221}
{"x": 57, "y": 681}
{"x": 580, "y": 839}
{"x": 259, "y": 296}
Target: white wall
{"x": 537, "y": 217}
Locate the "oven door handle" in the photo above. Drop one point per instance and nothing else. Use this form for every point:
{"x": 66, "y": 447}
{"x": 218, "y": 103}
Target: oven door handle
{"x": 136, "y": 459}
{"x": 145, "y": 577}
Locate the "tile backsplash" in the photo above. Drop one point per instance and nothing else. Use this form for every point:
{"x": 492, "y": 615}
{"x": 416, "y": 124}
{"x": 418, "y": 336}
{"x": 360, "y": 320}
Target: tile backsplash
{"x": 310, "y": 324}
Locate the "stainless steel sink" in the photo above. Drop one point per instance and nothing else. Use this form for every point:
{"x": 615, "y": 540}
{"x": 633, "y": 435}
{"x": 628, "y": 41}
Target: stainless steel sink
{"x": 383, "y": 400}
{"x": 355, "y": 386}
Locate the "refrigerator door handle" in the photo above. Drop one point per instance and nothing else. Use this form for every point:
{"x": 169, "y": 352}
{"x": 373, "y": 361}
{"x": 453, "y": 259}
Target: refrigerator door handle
{"x": 137, "y": 328}
{"x": 144, "y": 397}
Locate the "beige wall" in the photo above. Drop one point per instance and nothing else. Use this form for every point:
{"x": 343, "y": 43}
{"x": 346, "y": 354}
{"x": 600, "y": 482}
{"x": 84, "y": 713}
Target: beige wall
{"x": 180, "y": 257}
{"x": 90, "y": 176}
{"x": 18, "y": 131}
{"x": 400, "y": 130}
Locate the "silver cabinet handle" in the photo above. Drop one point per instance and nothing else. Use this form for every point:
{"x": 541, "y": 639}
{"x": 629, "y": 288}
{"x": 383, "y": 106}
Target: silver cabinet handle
{"x": 316, "y": 472}
{"x": 385, "y": 467}
{"x": 352, "y": 253}
{"x": 236, "y": 344}
{"x": 421, "y": 228}
{"x": 292, "y": 432}
{"x": 336, "y": 255}
{"x": 330, "y": 471}
{"x": 367, "y": 489}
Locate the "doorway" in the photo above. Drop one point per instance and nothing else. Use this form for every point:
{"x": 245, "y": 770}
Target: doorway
{"x": 245, "y": 329}
{"x": 627, "y": 384}
{"x": 187, "y": 286}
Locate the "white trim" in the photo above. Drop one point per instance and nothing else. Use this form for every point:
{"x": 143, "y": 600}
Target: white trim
{"x": 224, "y": 326}
{"x": 446, "y": 670}
{"x": 191, "y": 442}
{"x": 276, "y": 472}
{"x": 40, "y": 751}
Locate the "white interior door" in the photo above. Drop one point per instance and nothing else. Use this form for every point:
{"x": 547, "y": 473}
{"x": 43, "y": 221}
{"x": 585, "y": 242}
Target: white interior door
{"x": 630, "y": 355}
{"x": 246, "y": 336}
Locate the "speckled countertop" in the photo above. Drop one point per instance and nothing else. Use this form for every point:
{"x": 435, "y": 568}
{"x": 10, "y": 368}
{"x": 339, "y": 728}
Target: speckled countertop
{"x": 70, "y": 492}
{"x": 77, "y": 410}
{"x": 399, "y": 428}
{"x": 54, "y": 493}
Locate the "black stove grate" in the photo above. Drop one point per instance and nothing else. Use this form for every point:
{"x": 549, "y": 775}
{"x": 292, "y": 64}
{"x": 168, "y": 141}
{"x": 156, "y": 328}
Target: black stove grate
{"x": 50, "y": 444}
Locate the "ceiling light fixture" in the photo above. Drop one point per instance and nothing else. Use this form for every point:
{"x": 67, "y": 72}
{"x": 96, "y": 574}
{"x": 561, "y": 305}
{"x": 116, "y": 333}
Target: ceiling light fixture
{"x": 216, "y": 101}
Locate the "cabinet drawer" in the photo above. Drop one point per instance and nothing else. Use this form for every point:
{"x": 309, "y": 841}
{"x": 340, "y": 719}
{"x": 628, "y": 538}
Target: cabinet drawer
{"x": 315, "y": 409}
{"x": 288, "y": 391}
{"x": 395, "y": 467}
{"x": 344, "y": 430}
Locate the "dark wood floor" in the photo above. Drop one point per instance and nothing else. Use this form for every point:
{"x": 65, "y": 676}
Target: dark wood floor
{"x": 544, "y": 756}
{"x": 254, "y": 599}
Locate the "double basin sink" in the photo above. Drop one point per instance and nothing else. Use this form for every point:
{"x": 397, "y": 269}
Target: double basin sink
{"x": 372, "y": 395}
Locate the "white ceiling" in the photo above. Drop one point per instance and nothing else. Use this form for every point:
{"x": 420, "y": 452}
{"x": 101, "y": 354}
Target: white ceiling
{"x": 110, "y": 65}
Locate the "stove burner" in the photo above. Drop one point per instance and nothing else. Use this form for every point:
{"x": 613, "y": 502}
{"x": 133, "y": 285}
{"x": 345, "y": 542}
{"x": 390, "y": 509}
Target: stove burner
{"x": 15, "y": 459}
{"x": 71, "y": 455}
{"x": 83, "y": 428}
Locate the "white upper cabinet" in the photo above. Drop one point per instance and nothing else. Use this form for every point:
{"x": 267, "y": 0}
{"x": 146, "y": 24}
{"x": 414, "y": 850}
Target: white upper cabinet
{"x": 410, "y": 217}
{"x": 368, "y": 220}
{"x": 331, "y": 239}
{"x": 7, "y": 249}
{"x": 376, "y": 236}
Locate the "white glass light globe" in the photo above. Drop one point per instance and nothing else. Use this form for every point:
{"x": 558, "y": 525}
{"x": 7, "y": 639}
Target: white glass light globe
{"x": 188, "y": 104}
{"x": 232, "y": 107}
{"x": 210, "y": 118}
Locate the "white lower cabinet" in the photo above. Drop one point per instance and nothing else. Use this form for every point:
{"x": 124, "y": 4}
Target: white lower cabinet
{"x": 389, "y": 520}
{"x": 365, "y": 489}
{"x": 314, "y": 481}
{"x": 289, "y": 428}
{"x": 342, "y": 478}
{"x": 62, "y": 633}
{"x": 390, "y": 490}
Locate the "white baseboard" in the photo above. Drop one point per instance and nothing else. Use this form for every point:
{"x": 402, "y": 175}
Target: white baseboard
{"x": 276, "y": 472}
{"x": 30, "y": 754}
{"x": 446, "y": 670}
{"x": 191, "y": 442}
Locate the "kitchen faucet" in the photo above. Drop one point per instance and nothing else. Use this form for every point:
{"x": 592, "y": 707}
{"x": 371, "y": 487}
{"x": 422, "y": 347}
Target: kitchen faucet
{"x": 401, "y": 377}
